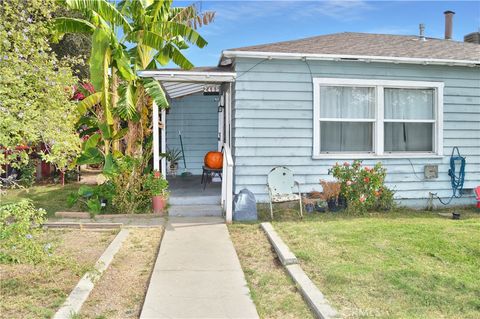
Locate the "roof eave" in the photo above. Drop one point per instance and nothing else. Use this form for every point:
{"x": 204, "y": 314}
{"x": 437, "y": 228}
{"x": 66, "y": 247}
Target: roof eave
{"x": 338, "y": 57}
{"x": 189, "y": 76}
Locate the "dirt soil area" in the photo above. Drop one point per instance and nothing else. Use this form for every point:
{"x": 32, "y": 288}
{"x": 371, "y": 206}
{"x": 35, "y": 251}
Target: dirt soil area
{"x": 120, "y": 291}
{"x": 37, "y": 291}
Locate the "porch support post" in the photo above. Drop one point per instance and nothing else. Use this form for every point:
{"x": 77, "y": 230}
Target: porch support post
{"x": 164, "y": 143}
{"x": 156, "y": 139}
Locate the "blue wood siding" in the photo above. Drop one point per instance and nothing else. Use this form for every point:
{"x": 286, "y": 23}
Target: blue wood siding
{"x": 196, "y": 117}
{"x": 273, "y": 121}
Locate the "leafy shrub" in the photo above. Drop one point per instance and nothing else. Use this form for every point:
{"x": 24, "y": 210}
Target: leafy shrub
{"x": 129, "y": 179}
{"x": 96, "y": 199}
{"x": 19, "y": 229}
{"x": 69, "y": 175}
{"x": 156, "y": 185}
{"x": 27, "y": 174}
{"x": 363, "y": 186}
{"x": 386, "y": 199}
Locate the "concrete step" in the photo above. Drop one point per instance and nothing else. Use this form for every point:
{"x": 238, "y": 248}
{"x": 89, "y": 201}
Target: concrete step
{"x": 194, "y": 200}
{"x": 195, "y": 210}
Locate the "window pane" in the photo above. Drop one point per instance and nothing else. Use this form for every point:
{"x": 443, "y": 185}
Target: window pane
{"x": 346, "y": 137}
{"x": 409, "y": 104}
{"x": 408, "y": 137}
{"x": 347, "y": 102}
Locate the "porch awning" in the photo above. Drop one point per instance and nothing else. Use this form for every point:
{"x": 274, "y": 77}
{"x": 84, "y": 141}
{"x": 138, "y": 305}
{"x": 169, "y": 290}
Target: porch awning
{"x": 178, "y": 82}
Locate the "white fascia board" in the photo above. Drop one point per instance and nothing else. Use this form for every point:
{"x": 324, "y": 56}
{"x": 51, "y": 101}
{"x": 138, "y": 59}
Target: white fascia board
{"x": 353, "y": 58}
{"x": 188, "y": 76}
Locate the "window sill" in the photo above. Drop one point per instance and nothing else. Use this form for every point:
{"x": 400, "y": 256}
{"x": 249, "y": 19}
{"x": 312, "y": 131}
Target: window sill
{"x": 374, "y": 156}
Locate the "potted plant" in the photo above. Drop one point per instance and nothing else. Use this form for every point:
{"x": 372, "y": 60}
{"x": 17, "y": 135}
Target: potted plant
{"x": 157, "y": 186}
{"x": 313, "y": 202}
{"x": 341, "y": 202}
{"x": 173, "y": 156}
{"x": 321, "y": 206}
{"x": 331, "y": 190}
{"x": 309, "y": 204}
{"x": 319, "y": 202}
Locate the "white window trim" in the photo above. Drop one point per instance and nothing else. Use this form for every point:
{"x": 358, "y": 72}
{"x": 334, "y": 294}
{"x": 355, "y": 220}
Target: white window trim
{"x": 378, "y": 145}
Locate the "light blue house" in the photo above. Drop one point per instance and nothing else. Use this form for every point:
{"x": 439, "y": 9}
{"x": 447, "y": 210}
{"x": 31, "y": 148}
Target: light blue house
{"x": 306, "y": 104}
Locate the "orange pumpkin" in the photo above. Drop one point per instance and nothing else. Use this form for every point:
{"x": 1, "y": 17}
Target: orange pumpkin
{"x": 214, "y": 160}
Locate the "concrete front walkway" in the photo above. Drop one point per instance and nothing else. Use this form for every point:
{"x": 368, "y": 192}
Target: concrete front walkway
{"x": 197, "y": 274}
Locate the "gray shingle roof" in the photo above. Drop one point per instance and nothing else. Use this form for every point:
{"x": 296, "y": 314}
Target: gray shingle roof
{"x": 365, "y": 44}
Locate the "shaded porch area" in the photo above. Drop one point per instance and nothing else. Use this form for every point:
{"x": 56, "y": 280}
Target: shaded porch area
{"x": 197, "y": 122}
{"x": 188, "y": 186}
{"x": 188, "y": 198}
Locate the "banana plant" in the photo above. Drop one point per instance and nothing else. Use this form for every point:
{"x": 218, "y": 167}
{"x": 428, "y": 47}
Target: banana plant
{"x": 101, "y": 18}
{"x": 156, "y": 33}
{"x": 91, "y": 152}
{"x": 159, "y": 33}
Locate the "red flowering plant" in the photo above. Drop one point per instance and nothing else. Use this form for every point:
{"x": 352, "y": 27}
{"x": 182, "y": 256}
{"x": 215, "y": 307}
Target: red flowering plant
{"x": 156, "y": 184}
{"x": 362, "y": 186}
{"x": 82, "y": 90}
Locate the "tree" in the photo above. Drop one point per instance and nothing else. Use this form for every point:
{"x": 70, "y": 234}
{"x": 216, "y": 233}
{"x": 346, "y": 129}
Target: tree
{"x": 35, "y": 87}
{"x": 73, "y": 45}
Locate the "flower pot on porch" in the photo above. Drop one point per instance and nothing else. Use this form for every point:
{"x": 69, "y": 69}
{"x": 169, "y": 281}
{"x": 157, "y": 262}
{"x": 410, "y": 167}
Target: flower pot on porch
{"x": 159, "y": 202}
{"x": 173, "y": 167}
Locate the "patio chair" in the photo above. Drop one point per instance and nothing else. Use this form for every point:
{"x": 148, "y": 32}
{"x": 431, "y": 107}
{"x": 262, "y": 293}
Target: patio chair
{"x": 280, "y": 184}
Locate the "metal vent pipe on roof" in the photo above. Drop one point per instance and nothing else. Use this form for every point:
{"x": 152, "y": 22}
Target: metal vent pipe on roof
{"x": 448, "y": 24}
{"x": 421, "y": 28}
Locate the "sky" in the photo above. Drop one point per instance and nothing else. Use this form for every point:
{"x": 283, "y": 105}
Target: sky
{"x": 244, "y": 23}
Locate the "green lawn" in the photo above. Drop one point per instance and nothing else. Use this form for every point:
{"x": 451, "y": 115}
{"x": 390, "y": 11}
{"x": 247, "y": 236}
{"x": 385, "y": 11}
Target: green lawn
{"x": 392, "y": 265}
{"x": 52, "y": 198}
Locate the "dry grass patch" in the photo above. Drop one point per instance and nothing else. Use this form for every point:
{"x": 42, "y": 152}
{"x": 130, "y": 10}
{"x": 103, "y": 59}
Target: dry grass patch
{"x": 37, "y": 291}
{"x": 120, "y": 291}
{"x": 273, "y": 292}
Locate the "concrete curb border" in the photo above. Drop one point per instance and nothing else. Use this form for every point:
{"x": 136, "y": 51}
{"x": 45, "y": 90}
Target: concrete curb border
{"x": 283, "y": 252}
{"x": 86, "y": 215}
{"x": 82, "y": 290}
{"x": 312, "y": 295}
{"x": 80, "y": 225}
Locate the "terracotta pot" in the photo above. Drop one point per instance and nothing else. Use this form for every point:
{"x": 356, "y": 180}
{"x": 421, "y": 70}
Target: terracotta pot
{"x": 159, "y": 202}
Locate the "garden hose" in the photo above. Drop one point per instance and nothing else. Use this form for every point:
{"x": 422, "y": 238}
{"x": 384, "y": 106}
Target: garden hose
{"x": 456, "y": 180}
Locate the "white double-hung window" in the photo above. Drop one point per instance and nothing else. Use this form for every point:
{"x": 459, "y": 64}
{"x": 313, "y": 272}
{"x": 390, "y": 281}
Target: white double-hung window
{"x": 362, "y": 118}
